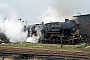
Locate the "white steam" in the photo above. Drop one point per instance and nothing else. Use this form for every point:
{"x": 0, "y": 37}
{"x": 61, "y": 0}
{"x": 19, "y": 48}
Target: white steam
{"x": 11, "y": 26}
{"x": 63, "y": 9}
{"x": 51, "y": 15}
{"x": 33, "y": 39}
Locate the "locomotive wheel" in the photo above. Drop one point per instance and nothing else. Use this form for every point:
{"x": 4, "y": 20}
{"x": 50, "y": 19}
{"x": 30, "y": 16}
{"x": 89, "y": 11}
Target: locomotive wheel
{"x": 69, "y": 42}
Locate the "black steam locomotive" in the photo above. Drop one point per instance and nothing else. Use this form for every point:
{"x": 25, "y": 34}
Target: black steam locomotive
{"x": 54, "y": 32}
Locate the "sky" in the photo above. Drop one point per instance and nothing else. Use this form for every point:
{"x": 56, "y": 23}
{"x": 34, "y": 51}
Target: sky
{"x": 31, "y": 10}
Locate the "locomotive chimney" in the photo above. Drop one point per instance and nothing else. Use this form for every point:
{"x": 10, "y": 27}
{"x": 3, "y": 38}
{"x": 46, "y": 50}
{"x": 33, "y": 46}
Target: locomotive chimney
{"x": 42, "y": 23}
{"x": 66, "y": 20}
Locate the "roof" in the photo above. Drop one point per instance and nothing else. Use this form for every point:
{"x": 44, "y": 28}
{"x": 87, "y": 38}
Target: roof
{"x": 82, "y": 15}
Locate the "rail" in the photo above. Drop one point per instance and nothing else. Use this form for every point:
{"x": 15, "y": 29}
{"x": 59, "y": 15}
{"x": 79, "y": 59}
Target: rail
{"x": 40, "y": 53}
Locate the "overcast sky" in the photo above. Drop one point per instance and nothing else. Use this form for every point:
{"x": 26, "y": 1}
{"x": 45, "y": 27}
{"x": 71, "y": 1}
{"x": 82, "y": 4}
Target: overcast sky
{"x": 30, "y": 10}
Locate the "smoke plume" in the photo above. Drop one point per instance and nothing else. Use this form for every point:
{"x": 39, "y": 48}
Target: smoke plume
{"x": 68, "y": 8}
{"x": 62, "y": 9}
{"x": 50, "y": 15}
{"x": 11, "y": 26}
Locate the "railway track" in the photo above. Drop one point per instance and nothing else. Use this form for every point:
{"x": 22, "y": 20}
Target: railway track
{"x": 44, "y": 53}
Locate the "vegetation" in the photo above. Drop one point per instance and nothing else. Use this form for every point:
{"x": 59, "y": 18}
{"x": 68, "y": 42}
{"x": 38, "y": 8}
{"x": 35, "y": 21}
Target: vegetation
{"x": 79, "y": 47}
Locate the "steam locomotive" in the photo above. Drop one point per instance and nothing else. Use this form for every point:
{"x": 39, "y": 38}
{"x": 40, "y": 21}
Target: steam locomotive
{"x": 57, "y": 32}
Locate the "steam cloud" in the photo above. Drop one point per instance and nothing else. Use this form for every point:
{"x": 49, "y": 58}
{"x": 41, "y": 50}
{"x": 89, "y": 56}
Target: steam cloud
{"x": 51, "y": 15}
{"x": 63, "y": 9}
{"x": 12, "y": 27}
{"x": 35, "y": 38}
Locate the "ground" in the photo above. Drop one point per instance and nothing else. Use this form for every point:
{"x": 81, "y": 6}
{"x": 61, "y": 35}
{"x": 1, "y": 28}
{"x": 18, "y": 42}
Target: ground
{"x": 79, "y": 47}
